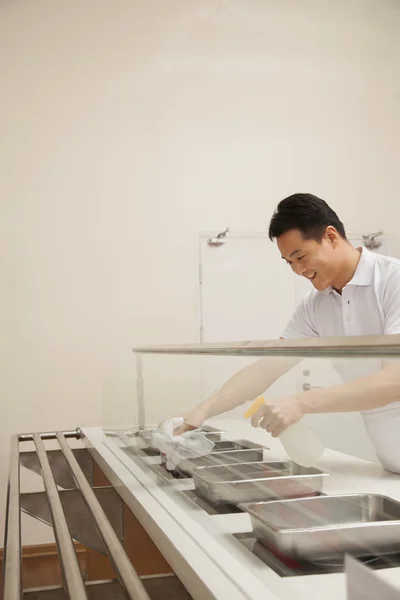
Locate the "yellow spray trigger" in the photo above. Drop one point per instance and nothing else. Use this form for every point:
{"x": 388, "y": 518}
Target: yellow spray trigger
{"x": 254, "y": 407}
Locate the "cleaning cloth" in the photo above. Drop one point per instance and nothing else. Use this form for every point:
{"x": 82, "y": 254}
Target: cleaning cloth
{"x": 178, "y": 447}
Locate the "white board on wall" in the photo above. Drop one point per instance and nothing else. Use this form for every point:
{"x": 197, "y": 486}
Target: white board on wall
{"x": 247, "y": 292}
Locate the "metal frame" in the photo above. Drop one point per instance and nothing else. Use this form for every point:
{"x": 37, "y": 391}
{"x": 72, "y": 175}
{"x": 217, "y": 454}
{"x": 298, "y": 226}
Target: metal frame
{"x": 129, "y": 583}
{"x": 71, "y": 572}
{"x": 369, "y": 345}
{"x": 12, "y": 579}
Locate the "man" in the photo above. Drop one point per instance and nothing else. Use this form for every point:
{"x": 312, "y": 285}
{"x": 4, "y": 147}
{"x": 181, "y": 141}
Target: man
{"x": 356, "y": 292}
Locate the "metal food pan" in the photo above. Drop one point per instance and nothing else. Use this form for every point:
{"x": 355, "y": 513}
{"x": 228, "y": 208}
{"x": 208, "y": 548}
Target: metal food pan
{"x": 326, "y": 527}
{"x": 223, "y": 447}
{"x": 252, "y": 482}
{"x": 210, "y": 429}
{"x": 223, "y": 458}
{"x": 228, "y": 445}
{"x": 213, "y": 436}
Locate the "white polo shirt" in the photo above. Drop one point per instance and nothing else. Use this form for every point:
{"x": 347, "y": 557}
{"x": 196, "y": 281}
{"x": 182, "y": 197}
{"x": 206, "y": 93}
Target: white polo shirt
{"x": 369, "y": 305}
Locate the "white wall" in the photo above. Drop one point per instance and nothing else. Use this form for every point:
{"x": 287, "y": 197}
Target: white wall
{"x": 129, "y": 126}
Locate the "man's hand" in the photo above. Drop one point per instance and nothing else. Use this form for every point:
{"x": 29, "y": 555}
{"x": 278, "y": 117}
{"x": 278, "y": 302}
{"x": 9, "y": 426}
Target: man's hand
{"x": 184, "y": 428}
{"x": 277, "y": 415}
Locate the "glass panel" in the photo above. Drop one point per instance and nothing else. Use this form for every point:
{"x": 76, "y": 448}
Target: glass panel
{"x": 265, "y": 519}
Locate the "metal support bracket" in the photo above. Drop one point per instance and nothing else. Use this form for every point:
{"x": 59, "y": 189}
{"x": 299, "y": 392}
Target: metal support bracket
{"x": 61, "y": 470}
{"x": 80, "y": 523}
{"x": 219, "y": 240}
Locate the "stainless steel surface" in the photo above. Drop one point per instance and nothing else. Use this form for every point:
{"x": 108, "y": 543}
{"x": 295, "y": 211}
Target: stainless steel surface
{"x": 209, "y": 428}
{"x": 77, "y": 514}
{"x": 223, "y": 458}
{"x": 59, "y": 466}
{"x": 144, "y": 437}
{"x": 388, "y": 345}
{"x": 285, "y": 566}
{"x": 169, "y": 476}
{"x": 227, "y": 445}
{"x": 211, "y": 509}
{"x": 222, "y": 447}
{"x": 72, "y": 576}
{"x": 184, "y": 567}
{"x": 145, "y": 432}
{"x": 12, "y": 584}
{"x": 49, "y": 435}
{"x": 326, "y": 527}
{"x": 78, "y": 509}
{"x": 118, "y": 557}
{"x": 213, "y": 436}
{"x": 247, "y": 482}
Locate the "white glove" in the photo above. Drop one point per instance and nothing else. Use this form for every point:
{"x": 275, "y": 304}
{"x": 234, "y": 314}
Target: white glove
{"x": 178, "y": 447}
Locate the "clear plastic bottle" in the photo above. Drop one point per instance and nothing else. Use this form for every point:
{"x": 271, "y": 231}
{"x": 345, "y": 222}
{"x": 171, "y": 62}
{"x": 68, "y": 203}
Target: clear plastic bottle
{"x": 302, "y": 445}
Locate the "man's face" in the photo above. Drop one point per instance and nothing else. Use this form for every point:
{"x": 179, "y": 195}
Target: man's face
{"x": 317, "y": 261}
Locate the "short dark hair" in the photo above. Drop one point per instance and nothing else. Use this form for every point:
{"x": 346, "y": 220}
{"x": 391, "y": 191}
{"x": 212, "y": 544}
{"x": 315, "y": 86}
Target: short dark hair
{"x": 307, "y": 213}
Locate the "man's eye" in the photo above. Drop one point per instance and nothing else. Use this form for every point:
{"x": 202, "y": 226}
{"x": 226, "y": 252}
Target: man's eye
{"x": 301, "y": 257}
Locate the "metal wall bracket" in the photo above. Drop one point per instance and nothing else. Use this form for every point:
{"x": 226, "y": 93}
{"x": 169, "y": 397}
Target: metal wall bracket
{"x": 219, "y": 240}
{"x": 370, "y": 242}
{"x": 77, "y": 514}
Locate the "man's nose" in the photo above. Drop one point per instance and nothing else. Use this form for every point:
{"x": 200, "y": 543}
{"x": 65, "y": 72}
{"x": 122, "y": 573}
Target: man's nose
{"x": 298, "y": 269}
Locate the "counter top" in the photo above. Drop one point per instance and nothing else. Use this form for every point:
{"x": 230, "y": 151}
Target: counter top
{"x": 200, "y": 548}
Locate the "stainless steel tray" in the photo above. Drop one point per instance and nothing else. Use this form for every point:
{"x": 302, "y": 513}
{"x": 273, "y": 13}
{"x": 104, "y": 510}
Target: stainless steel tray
{"x": 223, "y": 458}
{"x": 252, "y": 482}
{"x": 210, "y": 429}
{"x": 228, "y": 445}
{"x": 326, "y": 527}
{"x": 222, "y": 447}
{"x": 214, "y": 436}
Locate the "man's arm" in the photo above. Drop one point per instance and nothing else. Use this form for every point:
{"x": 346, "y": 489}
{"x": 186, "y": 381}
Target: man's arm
{"x": 245, "y": 385}
{"x": 255, "y": 379}
{"x": 365, "y": 393}
{"x": 372, "y": 391}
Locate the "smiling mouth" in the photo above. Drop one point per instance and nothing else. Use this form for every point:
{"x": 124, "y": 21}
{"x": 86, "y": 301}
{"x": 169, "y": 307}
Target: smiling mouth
{"x": 312, "y": 276}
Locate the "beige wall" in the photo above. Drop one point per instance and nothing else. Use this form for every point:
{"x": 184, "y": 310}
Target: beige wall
{"x": 129, "y": 126}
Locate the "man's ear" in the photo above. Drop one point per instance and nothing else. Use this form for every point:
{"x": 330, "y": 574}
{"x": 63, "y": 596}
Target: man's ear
{"x": 332, "y": 235}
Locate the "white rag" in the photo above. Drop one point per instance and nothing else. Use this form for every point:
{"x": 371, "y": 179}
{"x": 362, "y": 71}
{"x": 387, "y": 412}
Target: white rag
{"x": 178, "y": 447}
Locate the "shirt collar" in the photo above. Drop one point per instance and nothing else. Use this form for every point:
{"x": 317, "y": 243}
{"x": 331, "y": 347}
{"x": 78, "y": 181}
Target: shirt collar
{"x": 364, "y": 272}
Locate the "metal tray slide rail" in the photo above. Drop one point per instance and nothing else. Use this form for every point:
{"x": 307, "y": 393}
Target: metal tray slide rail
{"x": 77, "y": 511}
